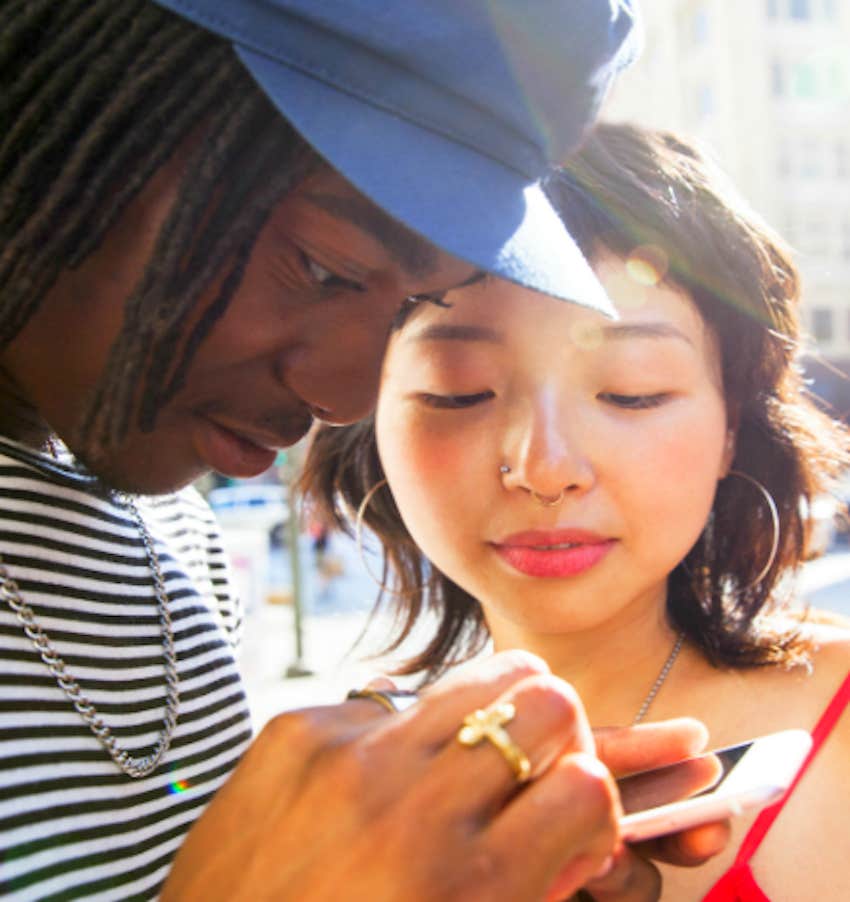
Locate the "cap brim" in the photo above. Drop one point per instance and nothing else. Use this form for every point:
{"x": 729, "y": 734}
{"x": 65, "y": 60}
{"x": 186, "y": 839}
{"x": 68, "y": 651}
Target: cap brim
{"x": 461, "y": 200}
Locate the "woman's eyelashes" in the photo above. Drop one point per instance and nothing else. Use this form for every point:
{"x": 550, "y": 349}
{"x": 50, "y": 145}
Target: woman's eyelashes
{"x": 326, "y": 279}
{"x": 461, "y": 401}
{"x": 455, "y": 402}
{"x": 635, "y": 402}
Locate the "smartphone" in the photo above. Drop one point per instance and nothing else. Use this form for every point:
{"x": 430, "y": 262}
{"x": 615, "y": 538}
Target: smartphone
{"x": 713, "y": 786}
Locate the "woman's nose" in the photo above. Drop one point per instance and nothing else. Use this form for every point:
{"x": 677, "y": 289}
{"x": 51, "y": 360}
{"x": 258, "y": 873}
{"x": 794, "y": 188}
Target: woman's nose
{"x": 548, "y": 455}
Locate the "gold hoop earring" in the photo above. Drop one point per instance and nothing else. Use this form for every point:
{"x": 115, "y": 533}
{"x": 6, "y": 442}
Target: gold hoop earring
{"x": 774, "y": 519}
{"x": 358, "y": 537}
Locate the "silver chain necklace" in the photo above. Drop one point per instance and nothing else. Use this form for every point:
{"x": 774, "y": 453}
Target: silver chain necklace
{"x": 133, "y": 767}
{"x": 659, "y": 681}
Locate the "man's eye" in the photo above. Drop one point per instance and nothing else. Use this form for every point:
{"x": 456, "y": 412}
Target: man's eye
{"x": 455, "y": 402}
{"x": 322, "y": 276}
{"x": 635, "y": 402}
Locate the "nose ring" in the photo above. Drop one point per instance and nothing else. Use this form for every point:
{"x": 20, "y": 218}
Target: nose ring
{"x": 549, "y": 500}
{"x": 543, "y": 500}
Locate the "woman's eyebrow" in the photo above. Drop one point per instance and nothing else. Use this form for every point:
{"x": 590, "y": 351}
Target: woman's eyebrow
{"x": 644, "y": 330}
{"x": 458, "y": 332}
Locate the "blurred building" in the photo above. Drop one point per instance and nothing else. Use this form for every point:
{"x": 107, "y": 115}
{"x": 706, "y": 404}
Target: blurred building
{"x": 766, "y": 85}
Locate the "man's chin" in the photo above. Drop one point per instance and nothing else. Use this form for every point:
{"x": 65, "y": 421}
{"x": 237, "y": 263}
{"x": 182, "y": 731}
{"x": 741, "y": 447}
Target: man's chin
{"x": 137, "y": 474}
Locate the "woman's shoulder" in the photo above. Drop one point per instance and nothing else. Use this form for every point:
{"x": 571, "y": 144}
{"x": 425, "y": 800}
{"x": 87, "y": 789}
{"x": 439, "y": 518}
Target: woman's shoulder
{"x": 831, "y": 668}
{"x": 817, "y": 628}
{"x": 827, "y": 636}
{"x": 815, "y": 618}
{"x": 810, "y": 687}
{"x": 831, "y": 659}
{"x": 791, "y": 694}
{"x": 814, "y": 815}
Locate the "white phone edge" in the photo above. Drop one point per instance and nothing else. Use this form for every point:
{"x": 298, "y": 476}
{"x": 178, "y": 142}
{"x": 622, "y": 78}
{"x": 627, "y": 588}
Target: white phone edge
{"x": 733, "y": 798}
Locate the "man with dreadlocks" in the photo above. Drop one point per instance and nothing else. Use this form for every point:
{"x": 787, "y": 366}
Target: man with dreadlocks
{"x": 187, "y": 279}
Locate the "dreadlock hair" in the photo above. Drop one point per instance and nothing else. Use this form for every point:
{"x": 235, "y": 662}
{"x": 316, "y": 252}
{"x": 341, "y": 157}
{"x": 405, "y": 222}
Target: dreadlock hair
{"x": 655, "y": 200}
{"x": 97, "y": 95}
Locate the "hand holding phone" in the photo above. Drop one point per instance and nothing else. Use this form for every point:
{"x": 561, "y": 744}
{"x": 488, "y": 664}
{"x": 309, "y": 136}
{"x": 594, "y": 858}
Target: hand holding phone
{"x": 710, "y": 787}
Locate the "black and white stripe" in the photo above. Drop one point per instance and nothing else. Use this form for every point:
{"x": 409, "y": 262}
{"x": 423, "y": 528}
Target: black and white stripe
{"x": 71, "y": 824}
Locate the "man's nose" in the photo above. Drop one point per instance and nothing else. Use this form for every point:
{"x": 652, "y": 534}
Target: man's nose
{"x": 337, "y": 369}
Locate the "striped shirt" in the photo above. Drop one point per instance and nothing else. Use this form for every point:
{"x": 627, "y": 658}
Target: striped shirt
{"x": 72, "y": 825}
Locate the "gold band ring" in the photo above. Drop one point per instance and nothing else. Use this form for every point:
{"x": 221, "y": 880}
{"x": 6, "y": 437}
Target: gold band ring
{"x": 394, "y": 700}
{"x": 488, "y": 723}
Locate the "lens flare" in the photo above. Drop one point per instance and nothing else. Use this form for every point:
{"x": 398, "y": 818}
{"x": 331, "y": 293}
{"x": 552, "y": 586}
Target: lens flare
{"x": 647, "y": 264}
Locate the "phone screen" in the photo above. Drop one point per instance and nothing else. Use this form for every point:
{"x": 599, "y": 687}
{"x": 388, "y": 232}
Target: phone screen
{"x": 683, "y": 780}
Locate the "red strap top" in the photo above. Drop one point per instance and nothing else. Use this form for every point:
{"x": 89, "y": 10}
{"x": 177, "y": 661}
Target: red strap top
{"x": 738, "y": 883}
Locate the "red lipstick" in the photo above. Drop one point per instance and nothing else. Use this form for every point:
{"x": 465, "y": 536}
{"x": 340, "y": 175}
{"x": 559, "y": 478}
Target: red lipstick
{"x": 553, "y": 553}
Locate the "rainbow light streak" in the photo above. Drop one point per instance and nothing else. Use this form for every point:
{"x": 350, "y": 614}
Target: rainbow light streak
{"x": 179, "y": 786}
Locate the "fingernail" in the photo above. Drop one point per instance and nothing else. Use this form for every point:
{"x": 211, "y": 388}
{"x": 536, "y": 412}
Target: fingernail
{"x": 380, "y": 682}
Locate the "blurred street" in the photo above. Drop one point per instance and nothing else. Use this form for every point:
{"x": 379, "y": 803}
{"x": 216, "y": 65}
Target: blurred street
{"x": 338, "y": 595}
{"x": 826, "y": 581}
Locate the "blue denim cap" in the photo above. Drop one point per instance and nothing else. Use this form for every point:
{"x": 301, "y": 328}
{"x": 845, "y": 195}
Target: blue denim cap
{"x": 446, "y": 113}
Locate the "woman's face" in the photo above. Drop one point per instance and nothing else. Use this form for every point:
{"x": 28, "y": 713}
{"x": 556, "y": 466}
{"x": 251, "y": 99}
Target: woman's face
{"x": 626, "y": 418}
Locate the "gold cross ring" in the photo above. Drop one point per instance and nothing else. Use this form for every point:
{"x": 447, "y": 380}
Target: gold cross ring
{"x": 488, "y": 723}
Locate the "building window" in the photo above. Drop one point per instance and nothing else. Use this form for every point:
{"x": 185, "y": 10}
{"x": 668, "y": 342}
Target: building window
{"x": 842, "y": 160}
{"x": 822, "y": 324}
{"x": 783, "y": 166}
{"x": 836, "y": 79}
{"x": 701, "y": 26}
{"x": 804, "y": 80}
{"x": 815, "y": 238}
{"x": 790, "y": 231}
{"x": 777, "y": 79}
{"x": 801, "y": 9}
{"x": 705, "y": 100}
{"x": 810, "y": 160}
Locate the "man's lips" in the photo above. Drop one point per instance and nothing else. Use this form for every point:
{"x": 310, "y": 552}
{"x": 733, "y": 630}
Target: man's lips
{"x": 553, "y": 553}
{"x": 241, "y": 452}
{"x": 294, "y": 429}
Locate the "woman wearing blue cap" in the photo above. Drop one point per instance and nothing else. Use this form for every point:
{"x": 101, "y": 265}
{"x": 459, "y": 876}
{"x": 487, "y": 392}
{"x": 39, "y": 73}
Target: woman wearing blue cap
{"x": 188, "y": 279}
